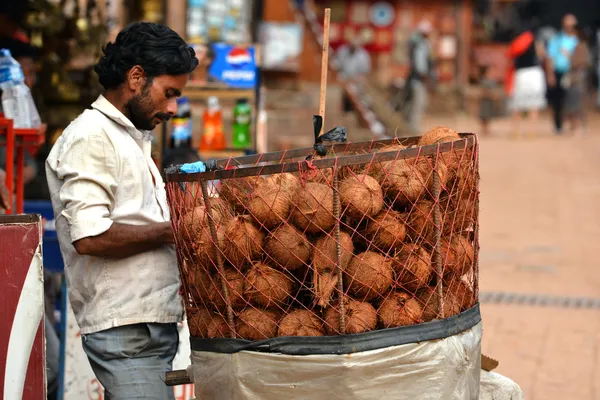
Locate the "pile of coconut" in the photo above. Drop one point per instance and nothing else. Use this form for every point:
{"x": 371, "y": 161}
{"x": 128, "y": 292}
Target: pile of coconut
{"x": 282, "y": 274}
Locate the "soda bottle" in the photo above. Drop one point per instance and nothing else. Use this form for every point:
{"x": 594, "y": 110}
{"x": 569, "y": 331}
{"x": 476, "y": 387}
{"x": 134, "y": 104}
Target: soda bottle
{"x": 17, "y": 102}
{"x": 212, "y": 135}
{"x": 241, "y": 124}
{"x": 181, "y": 133}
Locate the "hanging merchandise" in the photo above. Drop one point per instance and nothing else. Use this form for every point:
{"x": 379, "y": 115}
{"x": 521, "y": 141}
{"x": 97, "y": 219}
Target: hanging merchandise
{"x": 241, "y": 124}
{"x": 212, "y": 135}
{"x": 181, "y": 134}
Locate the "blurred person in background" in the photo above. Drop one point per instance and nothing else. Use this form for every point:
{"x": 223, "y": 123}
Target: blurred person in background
{"x": 598, "y": 65}
{"x": 354, "y": 63}
{"x": 559, "y": 51}
{"x": 581, "y": 61}
{"x": 487, "y": 99}
{"x": 525, "y": 82}
{"x": 420, "y": 76}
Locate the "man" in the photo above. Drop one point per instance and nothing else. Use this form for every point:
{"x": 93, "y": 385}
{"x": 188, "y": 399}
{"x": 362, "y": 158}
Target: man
{"x": 560, "y": 49}
{"x": 354, "y": 62}
{"x": 4, "y": 193}
{"x": 112, "y": 217}
{"x": 206, "y": 56}
{"x": 419, "y": 77}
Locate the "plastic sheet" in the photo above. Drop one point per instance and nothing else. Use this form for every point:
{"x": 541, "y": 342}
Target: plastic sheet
{"x": 494, "y": 386}
{"x": 439, "y": 369}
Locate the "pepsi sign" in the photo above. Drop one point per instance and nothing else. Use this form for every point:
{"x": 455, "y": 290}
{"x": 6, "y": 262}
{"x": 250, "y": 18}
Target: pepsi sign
{"x": 234, "y": 66}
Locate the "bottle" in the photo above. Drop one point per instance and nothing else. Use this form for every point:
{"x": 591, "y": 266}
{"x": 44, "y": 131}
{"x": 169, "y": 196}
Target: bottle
{"x": 17, "y": 102}
{"x": 241, "y": 124}
{"x": 181, "y": 124}
{"x": 212, "y": 135}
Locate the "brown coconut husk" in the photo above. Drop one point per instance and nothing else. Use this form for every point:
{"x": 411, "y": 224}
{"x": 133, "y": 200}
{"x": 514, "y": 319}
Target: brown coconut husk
{"x": 428, "y": 299}
{"x": 235, "y": 285}
{"x": 412, "y": 267}
{"x": 453, "y": 304}
{"x": 421, "y": 225}
{"x": 218, "y": 328}
{"x": 271, "y": 201}
{"x": 236, "y": 191}
{"x": 375, "y": 168}
{"x": 325, "y": 277}
{"x": 457, "y": 255}
{"x": 427, "y": 167}
{"x": 401, "y": 182}
{"x": 267, "y": 287}
{"x": 368, "y": 275}
{"x": 199, "y": 320}
{"x": 459, "y": 213}
{"x": 288, "y": 247}
{"x": 313, "y": 211}
{"x": 399, "y": 309}
{"x": 361, "y": 196}
{"x": 242, "y": 241}
{"x": 257, "y": 324}
{"x": 386, "y": 231}
{"x": 358, "y": 316}
{"x": 199, "y": 285}
{"x": 462, "y": 290}
{"x": 193, "y": 224}
{"x": 438, "y": 134}
{"x": 301, "y": 323}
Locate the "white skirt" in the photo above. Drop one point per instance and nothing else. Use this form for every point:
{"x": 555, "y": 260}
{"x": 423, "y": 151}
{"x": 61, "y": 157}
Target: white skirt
{"x": 529, "y": 92}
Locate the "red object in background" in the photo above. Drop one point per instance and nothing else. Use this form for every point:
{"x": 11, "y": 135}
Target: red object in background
{"x": 22, "y": 299}
{"x": 17, "y": 140}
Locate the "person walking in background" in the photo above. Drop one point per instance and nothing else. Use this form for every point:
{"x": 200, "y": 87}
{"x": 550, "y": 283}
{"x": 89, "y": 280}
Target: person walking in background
{"x": 354, "y": 63}
{"x": 525, "y": 83}
{"x": 486, "y": 102}
{"x": 419, "y": 76}
{"x": 581, "y": 61}
{"x": 560, "y": 49}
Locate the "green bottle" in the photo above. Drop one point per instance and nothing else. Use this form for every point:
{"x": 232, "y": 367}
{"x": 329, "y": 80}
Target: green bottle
{"x": 241, "y": 124}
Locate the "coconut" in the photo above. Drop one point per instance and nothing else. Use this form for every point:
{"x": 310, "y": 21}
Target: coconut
{"x": 386, "y": 231}
{"x": 457, "y": 256}
{"x": 242, "y": 241}
{"x": 198, "y": 320}
{"x": 256, "y": 324}
{"x": 199, "y": 284}
{"x": 462, "y": 291}
{"x": 361, "y": 196}
{"x": 412, "y": 267}
{"x": 314, "y": 208}
{"x": 192, "y": 224}
{"x": 427, "y": 167}
{"x": 459, "y": 213}
{"x": 358, "y": 317}
{"x": 236, "y": 191}
{"x": 301, "y": 323}
{"x": 399, "y": 309}
{"x": 235, "y": 285}
{"x": 325, "y": 277}
{"x": 369, "y": 275}
{"x": 288, "y": 247}
{"x": 428, "y": 300}
{"x": 218, "y": 328}
{"x": 271, "y": 201}
{"x": 401, "y": 182}
{"x": 266, "y": 286}
{"x": 421, "y": 224}
{"x": 439, "y": 134}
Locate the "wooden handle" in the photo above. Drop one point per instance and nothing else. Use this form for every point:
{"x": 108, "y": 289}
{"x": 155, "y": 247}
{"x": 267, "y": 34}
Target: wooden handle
{"x": 178, "y": 377}
{"x": 324, "y": 68}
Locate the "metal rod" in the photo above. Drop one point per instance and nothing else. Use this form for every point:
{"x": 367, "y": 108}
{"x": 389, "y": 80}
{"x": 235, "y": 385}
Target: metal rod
{"x": 475, "y": 155}
{"x": 437, "y": 255}
{"x": 220, "y": 267}
{"x": 178, "y": 377}
{"x": 338, "y": 251}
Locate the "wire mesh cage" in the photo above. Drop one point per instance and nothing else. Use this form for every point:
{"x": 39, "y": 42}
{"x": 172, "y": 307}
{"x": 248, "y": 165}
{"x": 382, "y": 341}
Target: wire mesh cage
{"x": 374, "y": 235}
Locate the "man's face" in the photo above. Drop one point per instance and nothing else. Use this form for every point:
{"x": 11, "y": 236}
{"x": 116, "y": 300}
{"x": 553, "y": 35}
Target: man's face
{"x": 203, "y": 57}
{"x": 28, "y": 68}
{"x": 569, "y": 23}
{"x": 156, "y": 101}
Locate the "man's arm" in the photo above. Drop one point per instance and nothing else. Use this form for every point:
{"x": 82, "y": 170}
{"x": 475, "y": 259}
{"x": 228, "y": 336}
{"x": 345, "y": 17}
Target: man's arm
{"x": 89, "y": 170}
{"x": 122, "y": 240}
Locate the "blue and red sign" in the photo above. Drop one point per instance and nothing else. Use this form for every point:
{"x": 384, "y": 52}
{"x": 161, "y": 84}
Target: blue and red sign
{"x": 234, "y": 66}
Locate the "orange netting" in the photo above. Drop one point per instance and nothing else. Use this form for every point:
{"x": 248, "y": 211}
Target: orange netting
{"x": 384, "y": 235}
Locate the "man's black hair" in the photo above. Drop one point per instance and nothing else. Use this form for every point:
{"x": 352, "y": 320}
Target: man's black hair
{"x": 18, "y": 48}
{"x": 154, "y": 47}
{"x": 210, "y": 53}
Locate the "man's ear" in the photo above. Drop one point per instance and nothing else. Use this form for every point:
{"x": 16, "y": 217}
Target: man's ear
{"x": 136, "y": 78}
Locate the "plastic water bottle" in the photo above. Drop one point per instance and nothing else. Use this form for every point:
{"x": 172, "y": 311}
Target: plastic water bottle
{"x": 181, "y": 134}
{"x": 17, "y": 102}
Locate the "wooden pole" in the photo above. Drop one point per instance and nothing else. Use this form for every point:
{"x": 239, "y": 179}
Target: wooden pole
{"x": 324, "y": 68}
